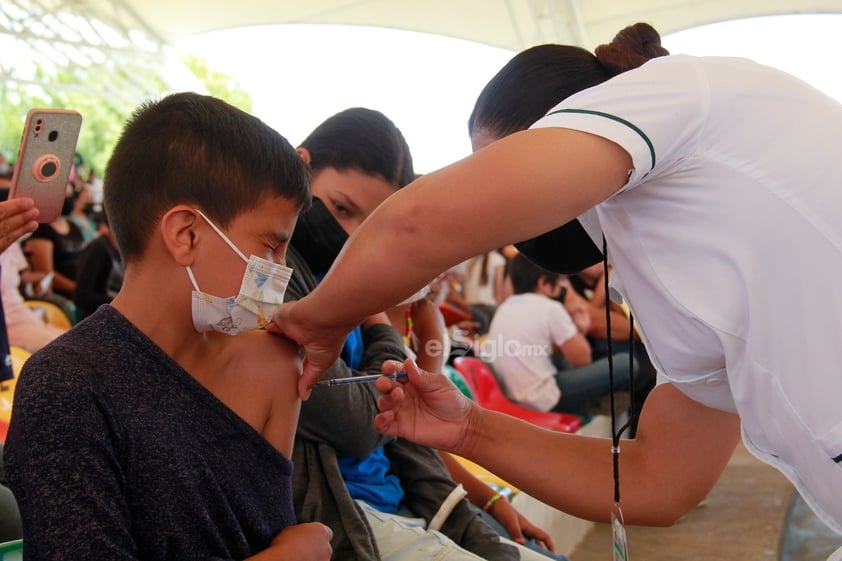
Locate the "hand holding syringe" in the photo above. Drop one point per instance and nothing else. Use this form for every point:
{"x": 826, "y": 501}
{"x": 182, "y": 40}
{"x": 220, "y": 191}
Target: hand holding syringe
{"x": 360, "y": 379}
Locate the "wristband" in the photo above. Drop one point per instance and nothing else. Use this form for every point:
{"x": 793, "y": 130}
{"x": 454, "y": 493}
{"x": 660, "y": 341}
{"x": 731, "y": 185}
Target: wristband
{"x": 496, "y": 497}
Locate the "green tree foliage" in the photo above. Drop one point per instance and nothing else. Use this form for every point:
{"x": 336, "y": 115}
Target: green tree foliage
{"x": 15, "y": 102}
{"x": 103, "y": 114}
{"x": 102, "y": 119}
{"x": 219, "y": 84}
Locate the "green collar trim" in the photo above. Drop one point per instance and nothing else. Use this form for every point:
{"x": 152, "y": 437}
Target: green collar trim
{"x": 619, "y": 120}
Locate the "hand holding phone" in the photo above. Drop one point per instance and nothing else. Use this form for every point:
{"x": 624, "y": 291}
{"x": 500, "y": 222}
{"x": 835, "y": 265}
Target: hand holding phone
{"x": 17, "y": 219}
{"x": 45, "y": 158}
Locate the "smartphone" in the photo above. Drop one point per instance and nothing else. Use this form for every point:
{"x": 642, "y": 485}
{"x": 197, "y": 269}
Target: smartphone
{"x": 45, "y": 157}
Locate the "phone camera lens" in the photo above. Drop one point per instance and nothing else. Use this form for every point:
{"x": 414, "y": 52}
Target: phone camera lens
{"x": 46, "y": 168}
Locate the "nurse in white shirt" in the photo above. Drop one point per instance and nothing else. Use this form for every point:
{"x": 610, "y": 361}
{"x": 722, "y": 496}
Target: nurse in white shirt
{"x": 715, "y": 184}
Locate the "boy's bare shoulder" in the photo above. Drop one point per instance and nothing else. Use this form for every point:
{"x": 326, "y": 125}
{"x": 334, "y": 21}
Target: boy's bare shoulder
{"x": 263, "y": 353}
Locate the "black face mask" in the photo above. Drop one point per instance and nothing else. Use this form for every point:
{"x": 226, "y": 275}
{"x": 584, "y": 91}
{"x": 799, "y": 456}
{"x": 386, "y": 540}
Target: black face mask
{"x": 568, "y": 249}
{"x": 318, "y": 237}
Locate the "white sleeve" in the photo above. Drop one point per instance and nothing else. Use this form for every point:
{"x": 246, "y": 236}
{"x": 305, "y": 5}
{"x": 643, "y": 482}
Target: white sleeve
{"x": 655, "y": 113}
{"x": 561, "y": 324}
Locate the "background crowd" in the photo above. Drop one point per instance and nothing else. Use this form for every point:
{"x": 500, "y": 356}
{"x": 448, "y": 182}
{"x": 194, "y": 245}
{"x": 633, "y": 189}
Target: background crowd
{"x": 64, "y": 270}
{"x": 372, "y": 490}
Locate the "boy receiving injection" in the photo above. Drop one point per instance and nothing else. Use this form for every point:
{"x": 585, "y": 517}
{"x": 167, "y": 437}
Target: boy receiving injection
{"x": 148, "y": 431}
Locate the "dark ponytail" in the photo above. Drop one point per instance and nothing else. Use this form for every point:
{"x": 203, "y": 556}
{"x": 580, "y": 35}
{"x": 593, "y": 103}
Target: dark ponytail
{"x": 530, "y": 84}
{"x": 537, "y": 79}
{"x": 630, "y": 48}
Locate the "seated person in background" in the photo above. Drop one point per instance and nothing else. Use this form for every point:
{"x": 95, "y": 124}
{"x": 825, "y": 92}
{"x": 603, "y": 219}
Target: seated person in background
{"x": 99, "y": 272}
{"x": 446, "y": 292}
{"x": 589, "y": 285}
{"x": 148, "y": 431}
{"x": 381, "y": 496}
{"x": 82, "y": 213}
{"x": 529, "y": 330}
{"x": 83, "y": 204}
{"x": 25, "y": 328}
{"x": 484, "y": 284}
{"x": 584, "y": 294}
{"x": 17, "y": 217}
{"x": 55, "y": 248}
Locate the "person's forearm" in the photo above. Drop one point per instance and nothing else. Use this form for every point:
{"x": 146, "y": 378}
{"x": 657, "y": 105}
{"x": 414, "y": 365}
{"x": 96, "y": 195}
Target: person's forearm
{"x": 27, "y": 276}
{"x": 63, "y": 284}
{"x": 620, "y": 325}
{"x": 571, "y": 472}
{"x": 439, "y": 221}
{"x": 433, "y": 344}
{"x": 500, "y": 292}
{"x": 574, "y": 473}
{"x": 577, "y": 350}
{"x": 478, "y": 491}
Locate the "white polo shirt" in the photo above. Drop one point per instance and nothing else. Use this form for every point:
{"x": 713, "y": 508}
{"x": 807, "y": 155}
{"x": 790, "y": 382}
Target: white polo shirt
{"x": 520, "y": 347}
{"x": 727, "y": 244}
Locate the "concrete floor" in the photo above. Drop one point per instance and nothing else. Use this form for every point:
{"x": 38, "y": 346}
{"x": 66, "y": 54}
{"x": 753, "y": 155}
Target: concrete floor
{"x": 745, "y": 518}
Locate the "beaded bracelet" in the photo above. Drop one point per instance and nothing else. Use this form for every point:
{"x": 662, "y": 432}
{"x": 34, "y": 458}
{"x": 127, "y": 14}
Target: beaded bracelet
{"x": 496, "y": 497}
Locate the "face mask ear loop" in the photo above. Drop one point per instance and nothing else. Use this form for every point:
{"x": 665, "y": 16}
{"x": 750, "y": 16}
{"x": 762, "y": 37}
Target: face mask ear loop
{"x": 193, "y": 279}
{"x": 222, "y": 235}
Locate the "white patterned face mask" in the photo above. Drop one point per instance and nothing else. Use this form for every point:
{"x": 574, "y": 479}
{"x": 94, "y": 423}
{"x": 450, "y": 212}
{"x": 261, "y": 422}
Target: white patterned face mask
{"x": 261, "y": 292}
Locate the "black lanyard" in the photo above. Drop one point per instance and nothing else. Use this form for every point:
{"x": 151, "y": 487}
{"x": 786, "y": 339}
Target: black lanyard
{"x": 615, "y": 433}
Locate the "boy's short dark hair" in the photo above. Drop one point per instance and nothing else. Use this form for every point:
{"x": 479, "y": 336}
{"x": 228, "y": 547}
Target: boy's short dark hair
{"x": 195, "y": 149}
{"x": 525, "y": 274}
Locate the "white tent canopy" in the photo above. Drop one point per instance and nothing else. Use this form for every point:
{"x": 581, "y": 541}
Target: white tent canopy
{"x": 510, "y": 24}
{"x": 108, "y": 45}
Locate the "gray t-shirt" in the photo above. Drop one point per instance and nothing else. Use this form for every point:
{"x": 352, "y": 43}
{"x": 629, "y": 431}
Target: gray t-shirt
{"x": 115, "y": 452}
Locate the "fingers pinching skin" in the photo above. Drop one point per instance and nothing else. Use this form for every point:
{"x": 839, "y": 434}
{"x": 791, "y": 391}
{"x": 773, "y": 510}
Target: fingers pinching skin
{"x": 321, "y": 349}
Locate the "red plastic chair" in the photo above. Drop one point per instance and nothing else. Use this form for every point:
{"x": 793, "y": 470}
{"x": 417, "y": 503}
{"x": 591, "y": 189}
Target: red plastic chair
{"x": 488, "y": 394}
{"x": 453, "y": 315}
